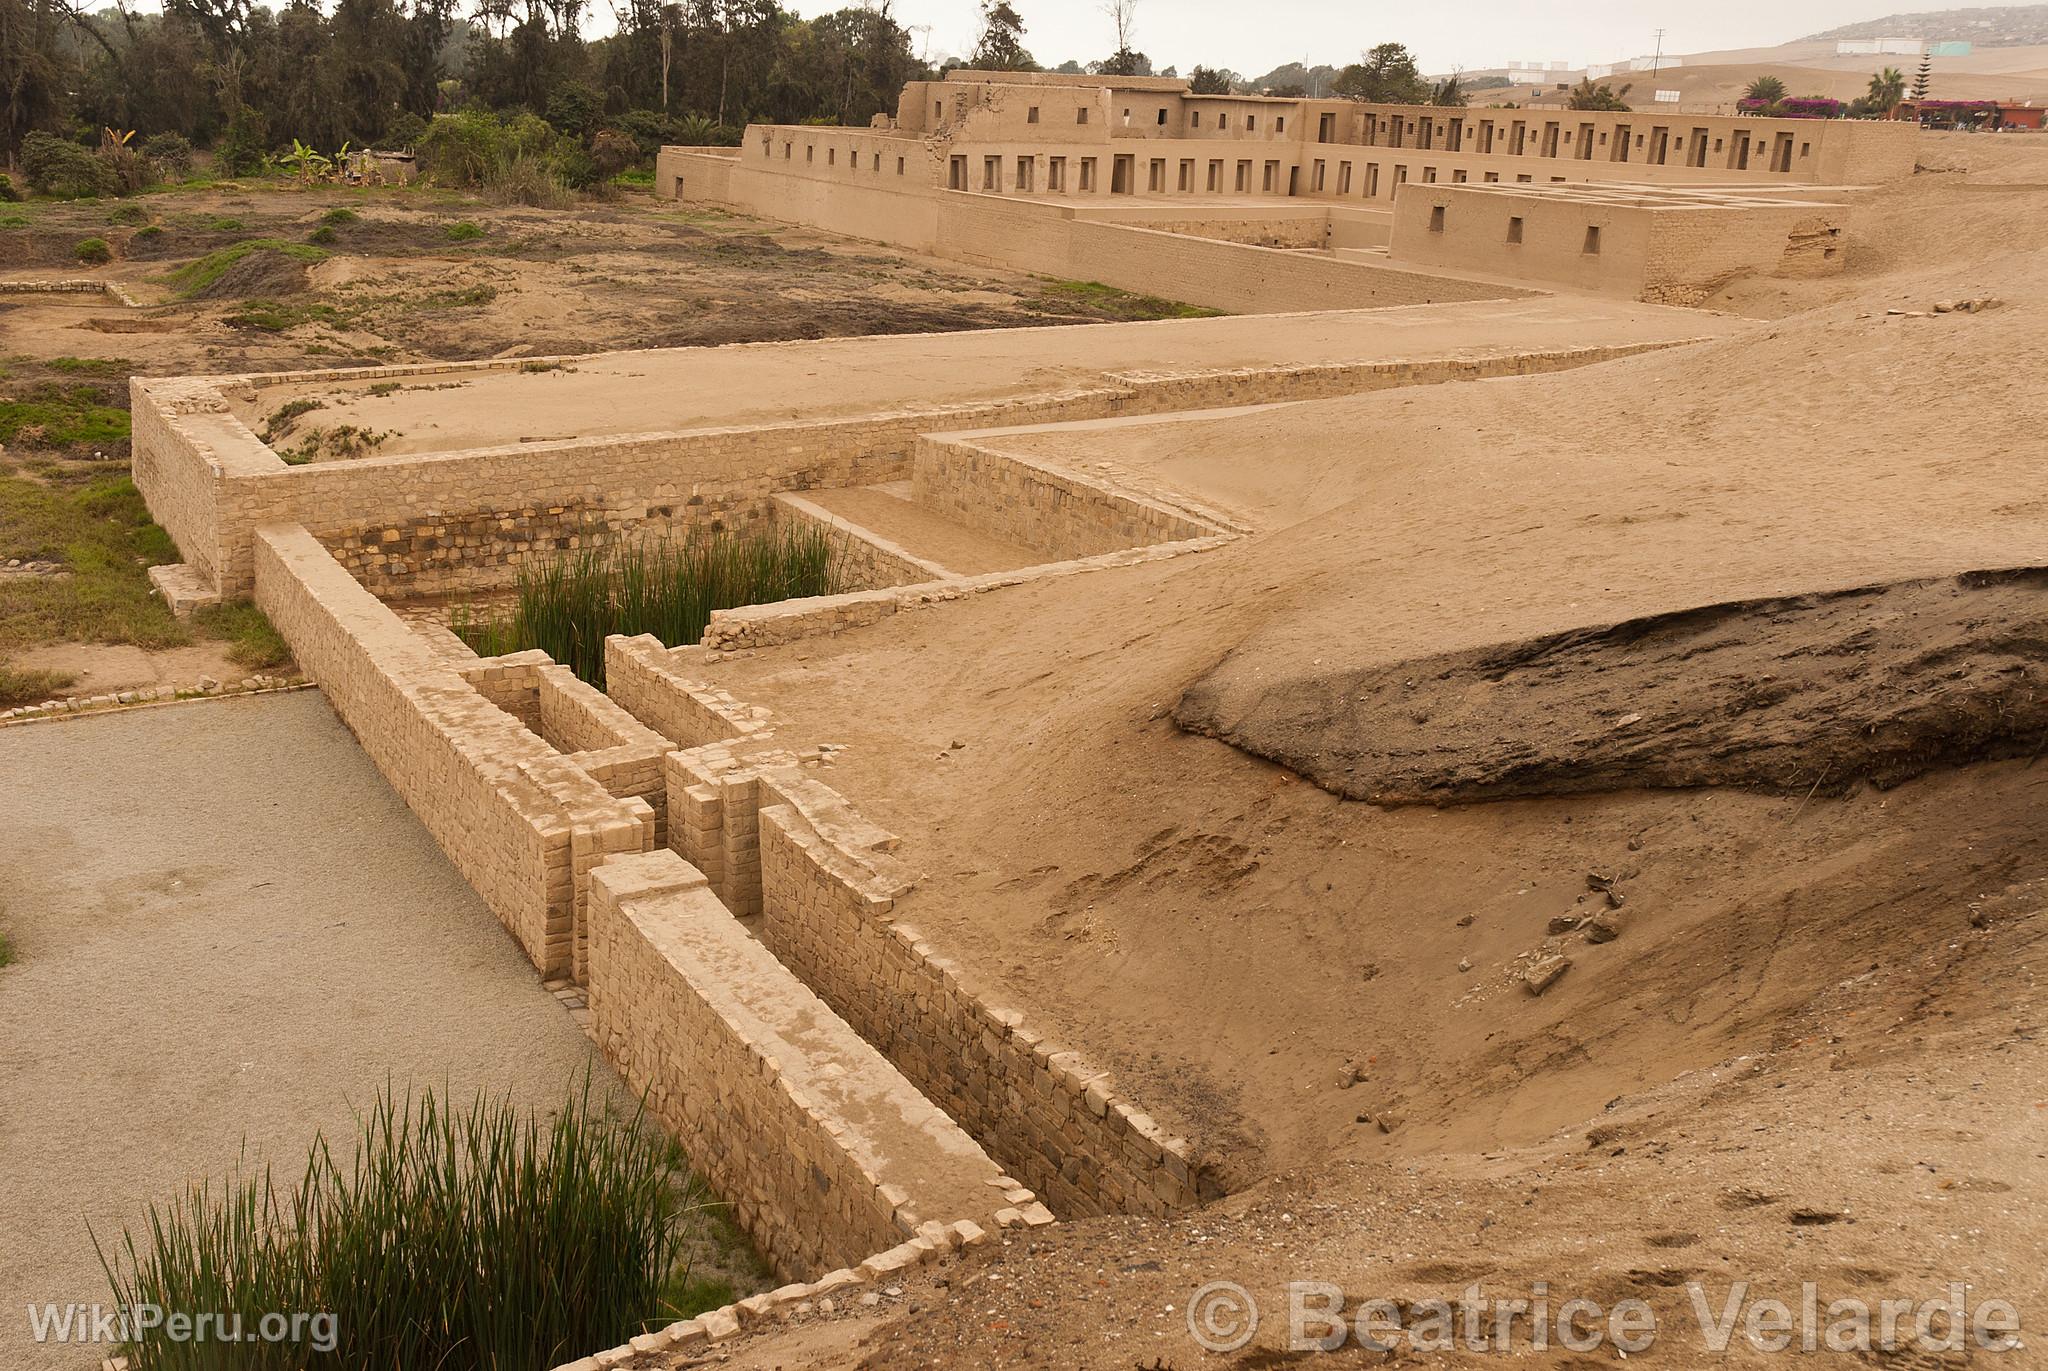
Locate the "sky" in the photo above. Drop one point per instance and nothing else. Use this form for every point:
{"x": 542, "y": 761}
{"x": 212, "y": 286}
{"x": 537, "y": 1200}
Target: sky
{"x": 1254, "y": 36}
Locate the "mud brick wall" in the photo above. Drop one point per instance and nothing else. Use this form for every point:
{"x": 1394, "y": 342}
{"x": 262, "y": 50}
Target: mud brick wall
{"x": 521, "y": 822}
{"x": 1059, "y": 514}
{"x": 824, "y": 1150}
{"x": 643, "y": 676}
{"x": 1044, "y": 1113}
{"x": 861, "y": 559}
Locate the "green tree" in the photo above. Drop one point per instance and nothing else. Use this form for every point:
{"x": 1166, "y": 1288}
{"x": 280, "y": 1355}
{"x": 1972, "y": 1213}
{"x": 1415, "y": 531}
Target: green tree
{"x": 1001, "y": 45}
{"x": 1586, "y": 95}
{"x": 1768, "y": 90}
{"x": 1449, "y": 91}
{"x": 1212, "y": 81}
{"x": 1923, "y": 79}
{"x": 1387, "y": 76}
{"x": 1887, "y": 89}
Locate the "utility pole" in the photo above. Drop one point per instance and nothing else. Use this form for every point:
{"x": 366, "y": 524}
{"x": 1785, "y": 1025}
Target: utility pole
{"x": 1658, "y": 60}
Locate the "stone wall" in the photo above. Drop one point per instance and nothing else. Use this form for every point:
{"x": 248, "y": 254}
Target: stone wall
{"x": 1061, "y": 514}
{"x": 523, "y": 823}
{"x": 825, "y": 1152}
{"x": 829, "y": 889}
{"x": 861, "y": 559}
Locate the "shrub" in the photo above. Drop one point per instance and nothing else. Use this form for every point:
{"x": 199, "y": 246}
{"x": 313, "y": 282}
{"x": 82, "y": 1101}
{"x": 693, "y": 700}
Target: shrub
{"x": 567, "y": 607}
{"x": 245, "y": 144}
{"x": 62, "y": 169}
{"x": 405, "y": 132}
{"x": 128, "y": 216}
{"x": 8, "y": 194}
{"x": 171, "y": 153}
{"x": 149, "y": 233}
{"x": 574, "y": 108}
{"x": 529, "y": 180}
{"x": 649, "y": 129}
{"x": 462, "y": 149}
{"x": 611, "y": 152}
{"x": 335, "y": 218}
{"x": 462, "y": 231}
{"x": 93, "y": 252}
{"x": 323, "y": 235}
{"x": 127, "y": 170}
{"x": 455, "y": 1239}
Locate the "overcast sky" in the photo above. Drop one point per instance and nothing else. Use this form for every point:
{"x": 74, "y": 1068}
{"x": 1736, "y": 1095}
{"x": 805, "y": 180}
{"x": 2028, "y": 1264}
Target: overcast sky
{"x": 1254, "y": 36}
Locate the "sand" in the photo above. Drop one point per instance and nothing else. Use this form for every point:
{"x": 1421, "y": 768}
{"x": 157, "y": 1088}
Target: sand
{"x": 226, "y": 927}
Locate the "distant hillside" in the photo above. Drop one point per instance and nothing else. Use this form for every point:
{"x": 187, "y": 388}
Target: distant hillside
{"x": 2004, "y": 26}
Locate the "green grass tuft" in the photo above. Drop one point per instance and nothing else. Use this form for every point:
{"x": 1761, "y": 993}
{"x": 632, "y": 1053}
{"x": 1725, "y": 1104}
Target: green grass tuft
{"x": 1123, "y": 304}
{"x": 463, "y": 231}
{"x": 93, "y": 252}
{"x": 49, "y": 415}
{"x": 20, "y": 686}
{"x": 7, "y": 959}
{"x": 458, "y": 1239}
{"x": 337, "y": 217}
{"x": 568, "y": 607}
{"x": 194, "y": 277}
{"x": 252, "y": 642}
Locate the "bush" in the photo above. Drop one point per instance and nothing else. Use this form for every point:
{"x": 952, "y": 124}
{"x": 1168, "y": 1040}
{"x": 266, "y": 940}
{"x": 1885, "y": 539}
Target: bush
{"x": 463, "y": 149}
{"x": 62, "y": 169}
{"x": 611, "y": 152}
{"x": 8, "y": 194}
{"x": 462, "y": 231}
{"x": 528, "y": 180}
{"x": 456, "y": 1239}
{"x": 245, "y": 145}
{"x": 170, "y": 153}
{"x": 93, "y": 252}
{"x": 575, "y": 108}
{"x": 405, "y": 132}
{"x": 568, "y": 606}
{"x": 128, "y": 216}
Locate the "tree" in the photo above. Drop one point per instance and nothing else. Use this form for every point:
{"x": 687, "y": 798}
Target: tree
{"x": 1387, "y": 76}
{"x": 1586, "y": 95}
{"x": 1887, "y": 89}
{"x": 1211, "y": 81}
{"x": 1449, "y": 91}
{"x": 1001, "y": 45}
{"x": 1923, "y": 79}
{"x": 1765, "y": 90}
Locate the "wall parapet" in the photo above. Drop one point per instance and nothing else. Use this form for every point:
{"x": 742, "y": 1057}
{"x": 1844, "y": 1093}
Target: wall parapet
{"x": 521, "y": 821}
{"x": 825, "y": 1151}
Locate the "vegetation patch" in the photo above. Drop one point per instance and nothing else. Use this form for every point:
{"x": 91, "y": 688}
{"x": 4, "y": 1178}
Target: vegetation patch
{"x": 204, "y": 277}
{"x": 455, "y": 1238}
{"x": 341, "y": 443}
{"x": 280, "y": 421}
{"x": 252, "y": 642}
{"x": 1121, "y": 304}
{"x": 102, "y": 532}
{"x": 463, "y": 231}
{"x": 20, "y": 686}
{"x": 339, "y": 217}
{"x": 271, "y": 316}
{"x": 93, "y": 252}
{"x": 568, "y": 606}
{"x": 49, "y": 414}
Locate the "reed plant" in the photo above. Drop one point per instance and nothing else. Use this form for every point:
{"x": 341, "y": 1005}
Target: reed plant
{"x": 459, "y": 1239}
{"x": 568, "y": 605}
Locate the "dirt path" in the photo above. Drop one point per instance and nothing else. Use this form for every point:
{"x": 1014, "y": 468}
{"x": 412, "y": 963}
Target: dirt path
{"x": 208, "y": 951}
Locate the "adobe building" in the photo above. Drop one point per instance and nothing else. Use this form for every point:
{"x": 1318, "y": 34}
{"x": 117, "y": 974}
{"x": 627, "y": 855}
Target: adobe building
{"x": 1057, "y": 174}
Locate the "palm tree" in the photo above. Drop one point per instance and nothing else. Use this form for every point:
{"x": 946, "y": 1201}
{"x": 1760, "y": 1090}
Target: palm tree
{"x": 1887, "y": 89}
{"x": 1766, "y": 90}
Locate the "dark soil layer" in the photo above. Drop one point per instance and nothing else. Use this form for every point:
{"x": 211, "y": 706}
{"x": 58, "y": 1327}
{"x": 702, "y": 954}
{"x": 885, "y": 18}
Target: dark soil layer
{"x": 1810, "y": 694}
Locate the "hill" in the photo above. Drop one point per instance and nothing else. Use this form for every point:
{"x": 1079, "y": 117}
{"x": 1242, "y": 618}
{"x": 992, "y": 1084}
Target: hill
{"x": 1999, "y": 26}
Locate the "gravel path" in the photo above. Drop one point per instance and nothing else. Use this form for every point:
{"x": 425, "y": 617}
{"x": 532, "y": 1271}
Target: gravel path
{"x": 226, "y": 925}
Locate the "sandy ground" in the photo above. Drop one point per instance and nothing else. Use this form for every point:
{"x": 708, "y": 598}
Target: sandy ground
{"x": 1330, "y": 996}
{"x": 205, "y": 955}
{"x": 644, "y": 391}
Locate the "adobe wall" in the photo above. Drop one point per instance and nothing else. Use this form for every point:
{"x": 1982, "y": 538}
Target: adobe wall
{"x": 824, "y": 1151}
{"x": 1057, "y": 513}
{"x": 861, "y": 559}
{"x": 1048, "y": 238}
{"x": 829, "y": 896}
{"x": 1664, "y": 249}
{"x": 521, "y": 822}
